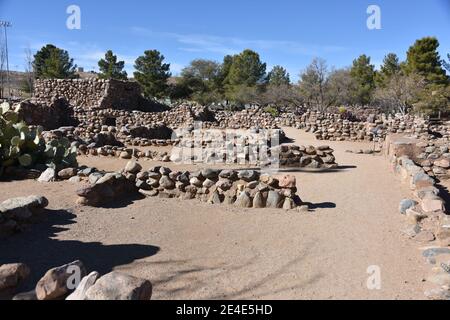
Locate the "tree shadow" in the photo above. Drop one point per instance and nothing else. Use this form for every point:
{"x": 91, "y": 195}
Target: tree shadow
{"x": 186, "y": 279}
{"x": 39, "y": 249}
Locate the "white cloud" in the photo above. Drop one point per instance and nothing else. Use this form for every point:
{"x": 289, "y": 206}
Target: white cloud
{"x": 232, "y": 45}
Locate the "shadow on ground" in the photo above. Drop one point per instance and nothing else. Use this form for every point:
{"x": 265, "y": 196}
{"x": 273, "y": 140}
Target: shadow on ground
{"x": 38, "y": 249}
{"x": 201, "y": 279}
{"x": 445, "y": 195}
{"x": 124, "y": 202}
{"x": 309, "y": 170}
{"x": 323, "y": 205}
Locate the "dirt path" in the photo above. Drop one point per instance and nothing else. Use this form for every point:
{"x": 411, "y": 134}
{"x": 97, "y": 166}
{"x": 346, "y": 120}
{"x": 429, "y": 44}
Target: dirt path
{"x": 191, "y": 250}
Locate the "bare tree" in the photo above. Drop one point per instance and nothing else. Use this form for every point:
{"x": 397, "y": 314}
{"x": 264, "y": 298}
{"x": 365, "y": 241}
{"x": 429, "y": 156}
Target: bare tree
{"x": 282, "y": 95}
{"x": 29, "y": 71}
{"x": 315, "y": 85}
{"x": 401, "y": 92}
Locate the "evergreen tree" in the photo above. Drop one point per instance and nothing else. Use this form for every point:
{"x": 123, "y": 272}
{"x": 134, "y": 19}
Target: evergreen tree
{"x": 246, "y": 69}
{"x": 152, "y": 74}
{"x": 110, "y": 68}
{"x": 391, "y": 66}
{"x": 278, "y": 76}
{"x": 363, "y": 73}
{"x": 53, "y": 63}
{"x": 423, "y": 58}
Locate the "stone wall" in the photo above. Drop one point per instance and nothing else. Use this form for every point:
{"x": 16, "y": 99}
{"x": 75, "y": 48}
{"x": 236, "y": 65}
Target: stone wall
{"x": 93, "y": 93}
{"x": 244, "y": 189}
{"x": 51, "y": 114}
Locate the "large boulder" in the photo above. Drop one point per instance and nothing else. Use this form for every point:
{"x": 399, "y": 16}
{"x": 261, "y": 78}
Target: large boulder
{"x": 22, "y": 208}
{"x": 87, "y": 282}
{"x": 118, "y": 286}
{"x": 54, "y": 284}
{"x": 13, "y": 275}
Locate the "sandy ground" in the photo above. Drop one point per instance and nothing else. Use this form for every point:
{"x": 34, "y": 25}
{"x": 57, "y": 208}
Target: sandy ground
{"x": 191, "y": 250}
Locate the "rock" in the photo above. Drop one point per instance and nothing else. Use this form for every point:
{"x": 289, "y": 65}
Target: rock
{"x": 432, "y": 203}
{"x": 224, "y": 184}
{"x": 75, "y": 179}
{"x": 67, "y": 173}
{"x": 274, "y": 200}
{"x": 23, "y": 208}
{"x": 118, "y": 286}
{"x": 151, "y": 193}
{"x": 287, "y": 182}
{"x": 164, "y": 171}
{"x": 48, "y": 175}
{"x": 196, "y": 182}
{"x": 26, "y": 296}
{"x": 443, "y": 163}
{"x": 210, "y": 174}
{"x": 53, "y": 285}
{"x": 230, "y": 197}
{"x": 228, "y": 174}
{"x": 259, "y": 201}
{"x": 215, "y": 198}
{"x": 289, "y": 204}
{"x": 424, "y": 192}
{"x": 243, "y": 200}
{"x": 80, "y": 292}
{"x": 414, "y": 216}
{"x": 13, "y": 275}
{"x": 443, "y": 235}
{"x": 422, "y": 180}
{"x": 406, "y": 204}
{"x": 142, "y": 185}
{"x": 143, "y": 176}
{"x": 94, "y": 177}
{"x": 425, "y": 236}
{"x": 133, "y": 167}
{"x": 208, "y": 183}
{"x": 248, "y": 175}
{"x": 125, "y": 155}
{"x": 166, "y": 183}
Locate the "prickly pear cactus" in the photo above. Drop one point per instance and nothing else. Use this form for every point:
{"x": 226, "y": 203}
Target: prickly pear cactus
{"x": 21, "y": 145}
{"x": 60, "y": 154}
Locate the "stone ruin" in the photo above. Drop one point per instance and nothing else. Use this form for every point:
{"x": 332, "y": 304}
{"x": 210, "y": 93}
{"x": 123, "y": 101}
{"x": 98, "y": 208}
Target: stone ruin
{"x": 242, "y": 188}
{"x": 92, "y": 93}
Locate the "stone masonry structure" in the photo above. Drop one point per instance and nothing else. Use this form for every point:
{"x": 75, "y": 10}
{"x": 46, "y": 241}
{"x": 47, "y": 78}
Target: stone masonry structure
{"x": 93, "y": 93}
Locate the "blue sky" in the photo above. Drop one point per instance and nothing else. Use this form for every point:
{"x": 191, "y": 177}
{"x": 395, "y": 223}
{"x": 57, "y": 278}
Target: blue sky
{"x": 288, "y": 33}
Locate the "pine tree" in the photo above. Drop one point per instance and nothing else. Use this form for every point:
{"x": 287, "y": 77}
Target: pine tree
{"x": 391, "y": 66}
{"x": 53, "y": 63}
{"x": 423, "y": 58}
{"x": 363, "y": 73}
{"x": 246, "y": 69}
{"x": 110, "y": 68}
{"x": 278, "y": 76}
{"x": 152, "y": 74}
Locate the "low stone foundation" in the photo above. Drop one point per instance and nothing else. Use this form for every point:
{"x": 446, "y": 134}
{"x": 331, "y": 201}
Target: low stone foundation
{"x": 245, "y": 189}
